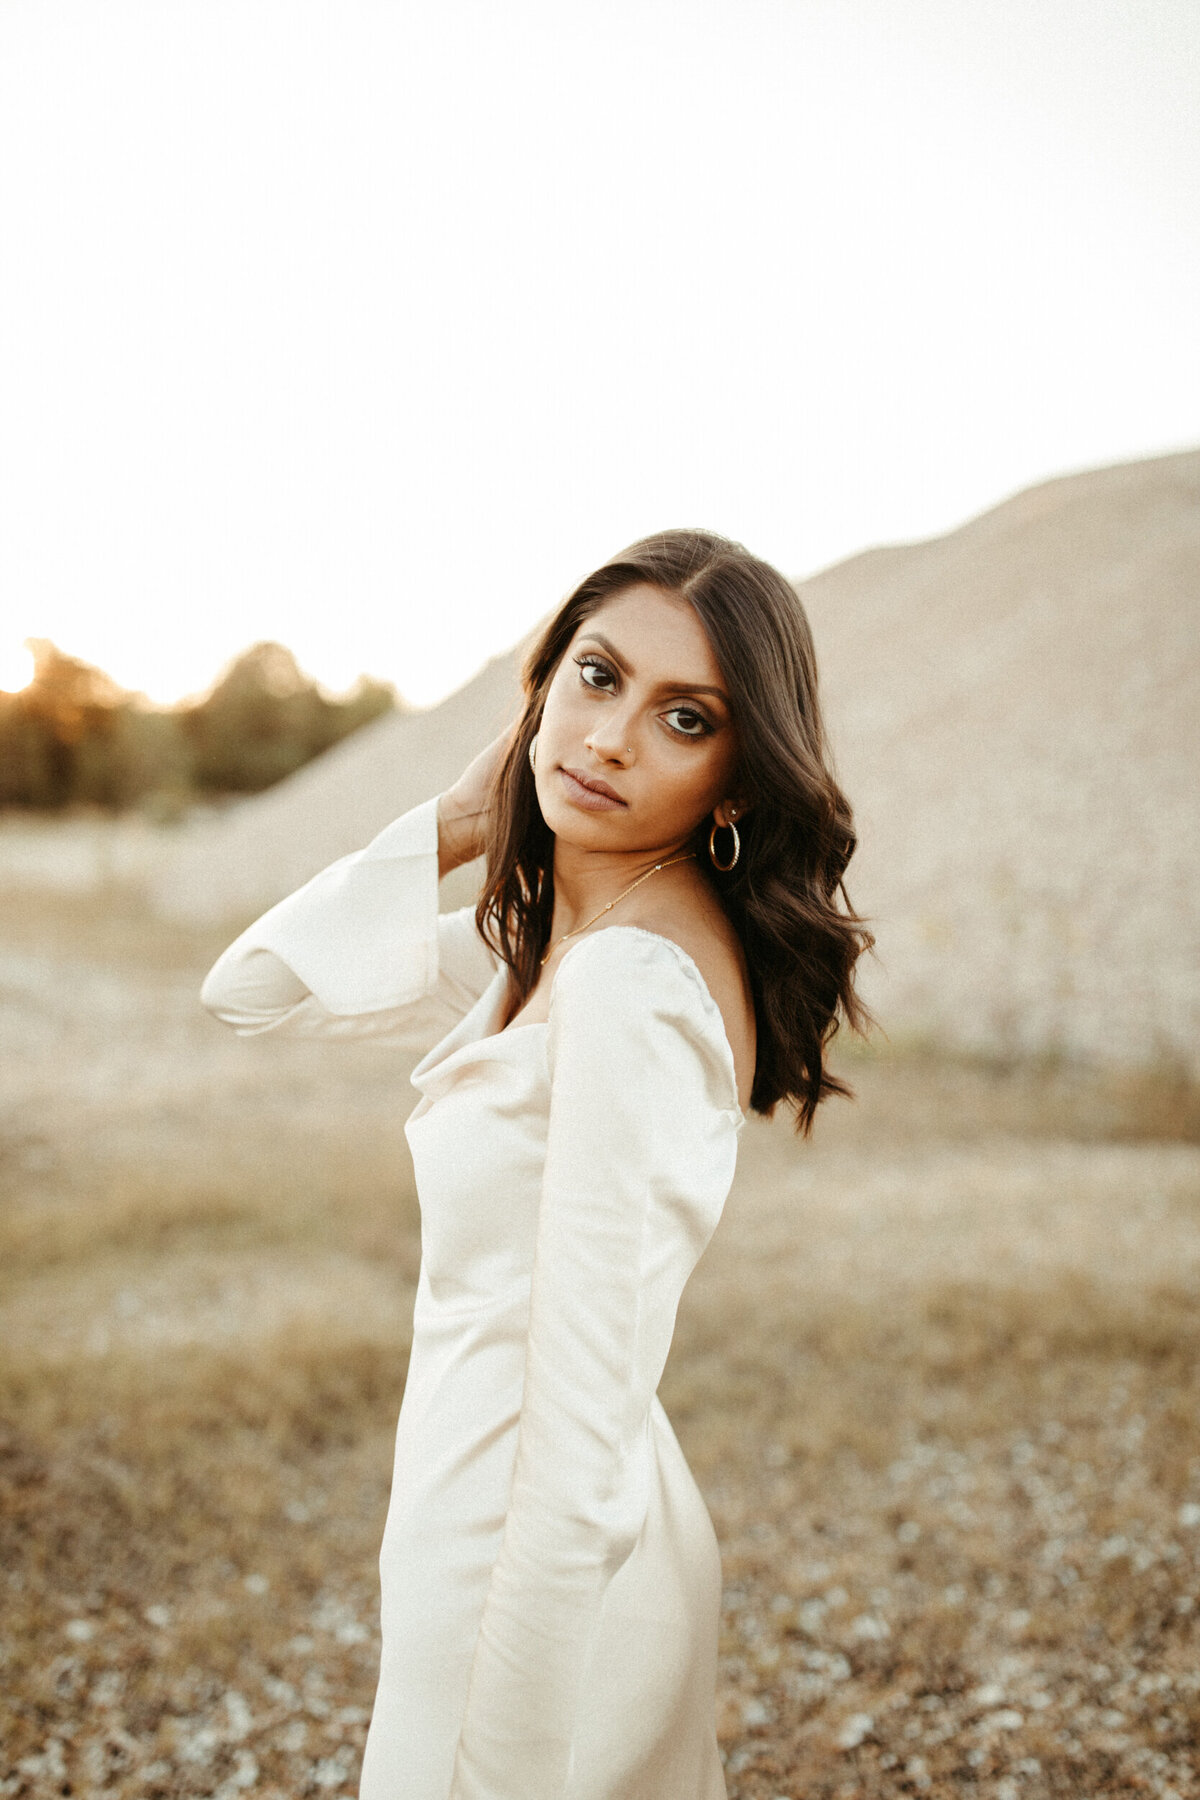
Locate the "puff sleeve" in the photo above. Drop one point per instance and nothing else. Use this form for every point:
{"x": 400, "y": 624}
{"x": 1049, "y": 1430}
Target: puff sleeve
{"x": 641, "y": 1149}
{"x": 350, "y": 952}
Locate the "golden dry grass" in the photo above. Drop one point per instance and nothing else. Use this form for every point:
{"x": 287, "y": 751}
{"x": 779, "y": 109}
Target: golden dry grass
{"x": 937, "y": 1377}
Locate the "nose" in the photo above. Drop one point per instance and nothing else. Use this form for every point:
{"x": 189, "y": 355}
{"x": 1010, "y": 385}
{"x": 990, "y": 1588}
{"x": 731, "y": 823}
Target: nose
{"x": 608, "y": 739}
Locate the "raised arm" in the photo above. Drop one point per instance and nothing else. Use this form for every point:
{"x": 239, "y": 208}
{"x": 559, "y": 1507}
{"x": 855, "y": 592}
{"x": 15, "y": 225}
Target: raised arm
{"x": 350, "y": 952}
{"x": 641, "y": 1151}
{"x": 356, "y": 946}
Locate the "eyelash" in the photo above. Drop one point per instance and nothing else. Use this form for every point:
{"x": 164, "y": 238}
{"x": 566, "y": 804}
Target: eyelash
{"x": 596, "y": 662}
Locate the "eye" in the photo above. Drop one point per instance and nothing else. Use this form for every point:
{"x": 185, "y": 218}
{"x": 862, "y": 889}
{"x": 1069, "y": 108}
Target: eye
{"x": 689, "y": 713}
{"x": 593, "y": 662}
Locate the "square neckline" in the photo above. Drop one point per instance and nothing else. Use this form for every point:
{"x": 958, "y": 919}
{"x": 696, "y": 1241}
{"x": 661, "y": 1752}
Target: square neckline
{"x": 660, "y": 938}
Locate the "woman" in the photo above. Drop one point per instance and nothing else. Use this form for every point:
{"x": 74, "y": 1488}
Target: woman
{"x": 656, "y": 951}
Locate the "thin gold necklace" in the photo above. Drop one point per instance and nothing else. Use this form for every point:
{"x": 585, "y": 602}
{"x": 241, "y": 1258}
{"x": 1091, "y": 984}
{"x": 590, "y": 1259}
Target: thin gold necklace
{"x": 663, "y": 865}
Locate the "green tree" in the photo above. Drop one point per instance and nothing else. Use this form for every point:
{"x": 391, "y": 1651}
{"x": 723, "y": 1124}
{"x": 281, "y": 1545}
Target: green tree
{"x": 74, "y": 737}
{"x": 265, "y": 718}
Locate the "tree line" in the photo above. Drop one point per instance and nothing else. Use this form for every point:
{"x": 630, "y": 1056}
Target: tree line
{"x": 72, "y": 737}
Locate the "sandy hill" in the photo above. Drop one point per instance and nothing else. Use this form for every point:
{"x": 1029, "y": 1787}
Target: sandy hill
{"x": 1015, "y": 712}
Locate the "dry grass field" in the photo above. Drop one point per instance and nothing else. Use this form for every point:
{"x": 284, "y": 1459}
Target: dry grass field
{"x": 937, "y": 1377}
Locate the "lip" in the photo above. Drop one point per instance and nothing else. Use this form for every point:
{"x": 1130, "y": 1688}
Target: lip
{"x": 594, "y": 796}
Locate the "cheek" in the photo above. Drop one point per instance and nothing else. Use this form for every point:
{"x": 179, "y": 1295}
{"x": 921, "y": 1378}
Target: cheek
{"x": 556, "y": 712}
{"x": 685, "y": 779}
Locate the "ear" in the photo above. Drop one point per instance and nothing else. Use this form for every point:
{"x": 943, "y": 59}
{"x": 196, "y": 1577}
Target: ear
{"x": 731, "y": 812}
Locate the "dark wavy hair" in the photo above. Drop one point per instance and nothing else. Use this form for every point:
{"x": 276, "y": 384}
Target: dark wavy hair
{"x": 781, "y": 895}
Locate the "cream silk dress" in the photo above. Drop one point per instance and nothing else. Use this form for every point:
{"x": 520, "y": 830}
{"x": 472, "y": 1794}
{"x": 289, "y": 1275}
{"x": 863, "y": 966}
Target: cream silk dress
{"x": 550, "y": 1574}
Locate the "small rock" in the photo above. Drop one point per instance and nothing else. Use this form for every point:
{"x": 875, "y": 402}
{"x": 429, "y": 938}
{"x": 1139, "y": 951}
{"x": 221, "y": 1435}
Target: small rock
{"x": 857, "y": 1728}
{"x": 868, "y": 1628}
{"x": 240, "y": 1717}
{"x": 990, "y": 1694}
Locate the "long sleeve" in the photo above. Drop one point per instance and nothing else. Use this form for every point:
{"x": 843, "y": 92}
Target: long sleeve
{"x": 350, "y": 952}
{"x": 641, "y": 1148}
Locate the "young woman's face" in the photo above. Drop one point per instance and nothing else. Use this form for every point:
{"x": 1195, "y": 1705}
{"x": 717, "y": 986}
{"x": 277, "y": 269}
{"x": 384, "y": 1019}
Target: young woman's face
{"x": 639, "y": 704}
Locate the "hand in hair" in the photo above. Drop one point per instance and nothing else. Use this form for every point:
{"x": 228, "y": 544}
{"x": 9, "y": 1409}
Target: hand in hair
{"x": 462, "y": 810}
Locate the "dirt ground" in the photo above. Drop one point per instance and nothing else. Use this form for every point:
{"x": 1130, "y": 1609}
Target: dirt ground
{"x": 937, "y": 1377}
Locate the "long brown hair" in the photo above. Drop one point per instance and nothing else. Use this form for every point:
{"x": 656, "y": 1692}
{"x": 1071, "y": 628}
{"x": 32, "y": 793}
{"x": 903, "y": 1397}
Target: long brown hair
{"x": 800, "y": 946}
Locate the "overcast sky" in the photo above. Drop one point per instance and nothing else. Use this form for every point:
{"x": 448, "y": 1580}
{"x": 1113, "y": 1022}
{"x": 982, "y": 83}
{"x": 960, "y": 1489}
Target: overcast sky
{"x": 373, "y": 326}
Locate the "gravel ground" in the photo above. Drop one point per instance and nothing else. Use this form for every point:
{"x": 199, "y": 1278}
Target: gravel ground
{"x": 936, "y": 1376}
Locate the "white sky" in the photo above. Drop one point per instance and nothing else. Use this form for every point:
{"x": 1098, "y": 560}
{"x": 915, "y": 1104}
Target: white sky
{"x": 373, "y": 326}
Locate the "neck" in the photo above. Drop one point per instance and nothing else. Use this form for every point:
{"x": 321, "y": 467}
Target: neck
{"x": 586, "y": 880}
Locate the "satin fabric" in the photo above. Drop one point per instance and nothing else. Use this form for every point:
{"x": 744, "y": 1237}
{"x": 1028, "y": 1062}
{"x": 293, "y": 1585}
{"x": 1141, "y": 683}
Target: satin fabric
{"x": 549, "y": 1573}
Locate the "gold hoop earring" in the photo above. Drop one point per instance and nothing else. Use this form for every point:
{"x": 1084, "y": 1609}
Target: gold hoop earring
{"x": 712, "y": 847}
{"x": 532, "y": 748}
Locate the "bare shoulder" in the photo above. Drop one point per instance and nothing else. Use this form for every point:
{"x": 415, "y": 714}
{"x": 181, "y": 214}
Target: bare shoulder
{"x": 705, "y": 933}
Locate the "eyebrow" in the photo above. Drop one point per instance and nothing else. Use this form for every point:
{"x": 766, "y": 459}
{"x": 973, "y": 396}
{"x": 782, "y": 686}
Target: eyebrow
{"x": 674, "y": 687}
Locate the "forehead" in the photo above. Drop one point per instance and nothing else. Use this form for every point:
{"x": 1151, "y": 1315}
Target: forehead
{"x": 657, "y": 632}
